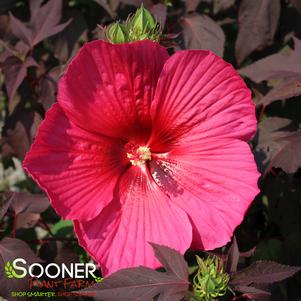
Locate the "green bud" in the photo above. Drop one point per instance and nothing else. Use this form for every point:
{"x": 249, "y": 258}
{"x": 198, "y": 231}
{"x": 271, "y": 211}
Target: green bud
{"x": 143, "y": 21}
{"x": 210, "y": 281}
{"x": 143, "y": 26}
{"x": 117, "y": 33}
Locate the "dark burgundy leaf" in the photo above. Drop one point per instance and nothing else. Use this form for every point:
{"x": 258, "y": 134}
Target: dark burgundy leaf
{"x": 270, "y": 129}
{"x": 258, "y": 22}
{"x": 285, "y": 67}
{"x": 159, "y": 11}
{"x": 287, "y": 88}
{"x": 282, "y": 65}
{"x": 15, "y": 71}
{"x": 281, "y": 148}
{"x": 4, "y": 55}
{"x": 27, "y": 207}
{"x": 65, "y": 253}
{"x": 288, "y": 157}
{"x": 37, "y": 119}
{"x": 23, "y": 202}
{"x": 18, "y": 140}
{"x": 18, "y": 50}
{"x": 139, "y": 284}
{"x": 48, "y": 87}
{"x": 26, "y": 220}
{"x": 201, "y": 32}
{"x": 263, "y": 272}
{"x": 250, "y": 289}
{"x": 34, "y": 6}
{"x": 44, "y": 22}
{"x": 11, "y": 249}
{"x": 20, "y": 30}
{"x": 248, "y": 253}
{"x": 114, "y": 4}
{"x": 4, "y": 26}
{"x": 19, "y": 131}
{"x": 143, "y": 283}
{"x": 5, "y": 203}
{"x": 172, "y": 261}
{"x": 253, "y": 293}
{"x": 66, "y": 43}
{"x": 232, "y": 257}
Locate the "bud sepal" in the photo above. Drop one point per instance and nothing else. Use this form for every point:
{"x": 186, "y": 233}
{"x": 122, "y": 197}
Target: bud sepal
{"x": 141, "y": 26}
{"x": 210, "y": 281}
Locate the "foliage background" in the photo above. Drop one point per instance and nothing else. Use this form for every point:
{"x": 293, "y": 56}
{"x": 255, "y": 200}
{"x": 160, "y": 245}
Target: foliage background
{"x": 37, "y": 44}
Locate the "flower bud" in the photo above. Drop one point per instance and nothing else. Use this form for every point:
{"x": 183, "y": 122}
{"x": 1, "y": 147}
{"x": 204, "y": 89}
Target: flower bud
{"x": 143, "y": 21}
{"x": 117, "y": 33}
{"x": 210, "y": 282}
{"x": 143, "y": 26}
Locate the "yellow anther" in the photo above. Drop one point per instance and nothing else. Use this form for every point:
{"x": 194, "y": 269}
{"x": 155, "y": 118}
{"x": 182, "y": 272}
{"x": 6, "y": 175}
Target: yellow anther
{"x": 140, "y": 155}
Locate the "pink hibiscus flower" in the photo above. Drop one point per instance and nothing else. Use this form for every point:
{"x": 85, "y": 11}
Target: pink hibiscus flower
{"x": 142, "y": 147}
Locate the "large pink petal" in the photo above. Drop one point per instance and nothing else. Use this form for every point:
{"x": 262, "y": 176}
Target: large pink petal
{"x": 78, "y": 170}
{"x": 141, "y": 213}
{"x": 108, "y": 88}
{"x": 214, "y": 182}
{"x": 199, "y": 94}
